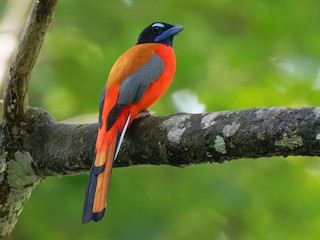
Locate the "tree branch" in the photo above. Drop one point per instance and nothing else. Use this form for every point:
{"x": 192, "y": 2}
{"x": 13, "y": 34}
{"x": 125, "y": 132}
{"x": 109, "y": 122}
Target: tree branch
{"x": 15, "y": 95}
{"x": 178, "y": 140}
{"x": 17, "y": 178}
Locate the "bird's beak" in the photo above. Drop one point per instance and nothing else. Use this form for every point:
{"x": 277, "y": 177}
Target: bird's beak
{"x": 175, "y": 29}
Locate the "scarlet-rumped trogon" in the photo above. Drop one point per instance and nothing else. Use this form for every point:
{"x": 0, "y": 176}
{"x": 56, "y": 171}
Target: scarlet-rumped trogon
{"x": 139, "y": 77}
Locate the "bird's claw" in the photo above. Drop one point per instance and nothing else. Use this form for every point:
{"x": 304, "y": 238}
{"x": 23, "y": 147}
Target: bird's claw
{"x": 146, "y": 113}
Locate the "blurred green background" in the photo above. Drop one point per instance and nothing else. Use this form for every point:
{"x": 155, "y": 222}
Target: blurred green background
{"x": 231, "y": 55}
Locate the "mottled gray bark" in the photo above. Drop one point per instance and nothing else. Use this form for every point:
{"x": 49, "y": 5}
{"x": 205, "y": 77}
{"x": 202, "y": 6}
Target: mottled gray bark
{"x": 17, "y": 178}
{"x": 33, "y": 145}
{"x": 179, "y": 140}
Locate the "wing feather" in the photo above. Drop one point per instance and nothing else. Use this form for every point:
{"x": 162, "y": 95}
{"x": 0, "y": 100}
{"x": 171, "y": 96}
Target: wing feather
{"x": 134, "y": 86}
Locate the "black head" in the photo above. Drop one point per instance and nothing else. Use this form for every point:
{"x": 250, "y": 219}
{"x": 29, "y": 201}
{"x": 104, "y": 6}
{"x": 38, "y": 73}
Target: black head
{"x": 159, "y": 32}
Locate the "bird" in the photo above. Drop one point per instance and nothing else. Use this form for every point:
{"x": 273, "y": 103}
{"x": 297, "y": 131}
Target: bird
{"x": 138, "y": 78}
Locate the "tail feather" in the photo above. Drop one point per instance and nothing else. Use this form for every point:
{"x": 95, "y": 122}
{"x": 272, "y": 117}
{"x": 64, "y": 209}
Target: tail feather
{"x": 100, "y": 197}
{"x": 87, "y": 214}
{"x": 121, "y": 136}
{"x": 95, "y": 200}
{"x": 100, "y": 173}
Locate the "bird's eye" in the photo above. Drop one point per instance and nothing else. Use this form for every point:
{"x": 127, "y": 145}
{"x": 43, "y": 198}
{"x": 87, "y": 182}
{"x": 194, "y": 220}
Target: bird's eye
{"x": 157, "y": 30}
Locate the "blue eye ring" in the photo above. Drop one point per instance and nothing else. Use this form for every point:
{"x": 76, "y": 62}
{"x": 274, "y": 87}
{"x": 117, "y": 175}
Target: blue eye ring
{"x": 161, "y": 25}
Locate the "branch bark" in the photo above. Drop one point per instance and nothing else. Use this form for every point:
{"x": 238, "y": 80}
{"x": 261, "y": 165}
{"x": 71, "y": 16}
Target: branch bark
{"x": 178, "y": 140}
{"x": 17, "y": 178}
{"x": 15, "y": 95}
{"x": 33, "y": 145}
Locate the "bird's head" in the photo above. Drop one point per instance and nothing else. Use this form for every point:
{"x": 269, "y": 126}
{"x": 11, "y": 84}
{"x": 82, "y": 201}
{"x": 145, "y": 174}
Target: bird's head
{"x": 159, "y": 32}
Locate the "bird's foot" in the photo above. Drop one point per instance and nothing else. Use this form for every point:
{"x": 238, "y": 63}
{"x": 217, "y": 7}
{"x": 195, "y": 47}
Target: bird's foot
{"x": 146, "y": 113}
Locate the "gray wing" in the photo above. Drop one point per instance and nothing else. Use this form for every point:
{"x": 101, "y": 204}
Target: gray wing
{"x": 134, "y": 86}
